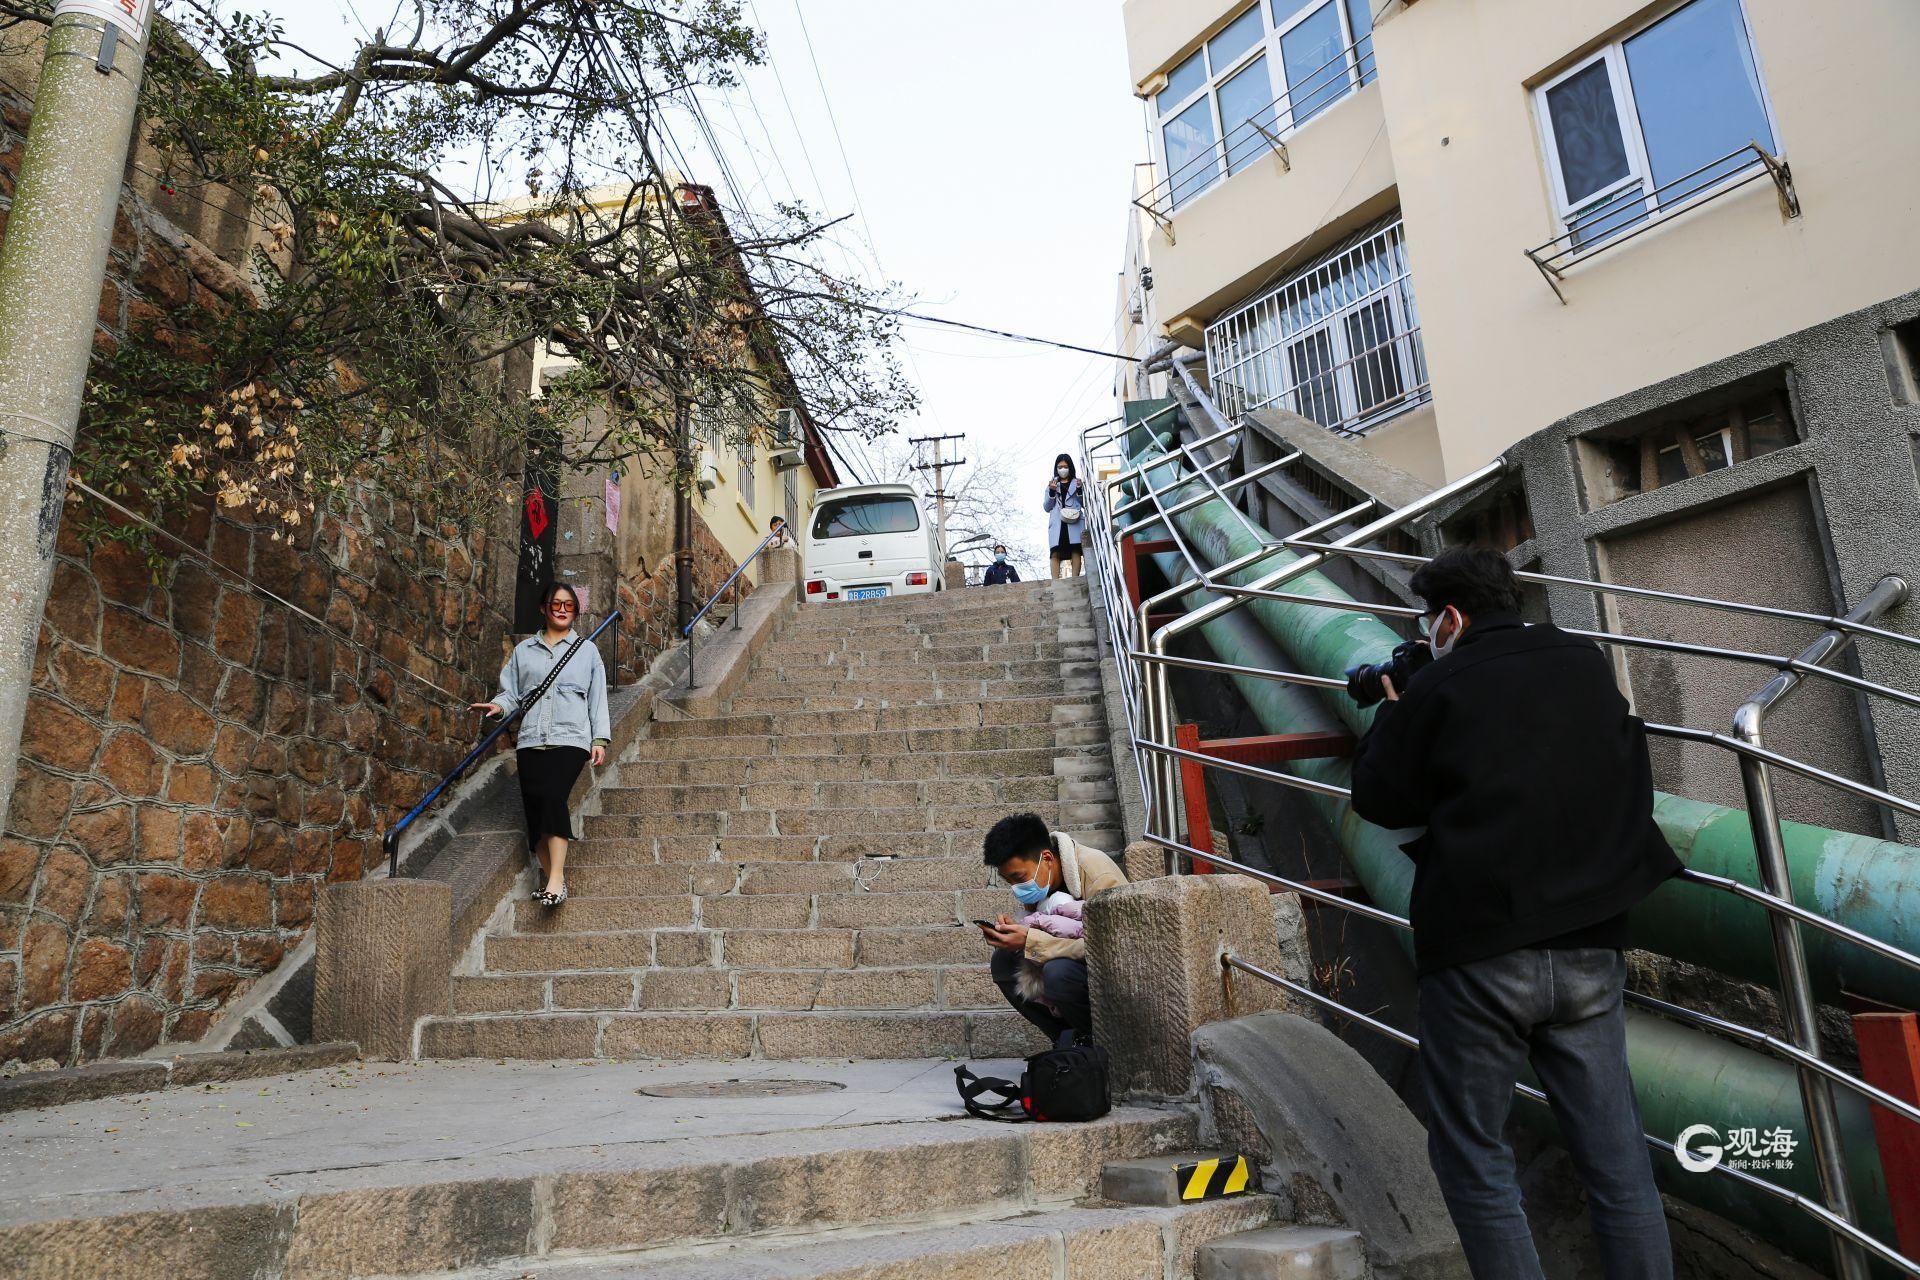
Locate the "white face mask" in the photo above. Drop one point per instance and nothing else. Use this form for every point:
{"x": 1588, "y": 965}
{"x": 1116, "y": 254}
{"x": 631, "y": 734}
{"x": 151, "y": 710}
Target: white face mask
{"x": 1441, "y": 650}
{"x": 1062, "y": 472}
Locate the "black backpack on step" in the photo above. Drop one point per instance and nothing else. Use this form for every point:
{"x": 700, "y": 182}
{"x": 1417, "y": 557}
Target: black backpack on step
{"x": 1058, "y": 1084}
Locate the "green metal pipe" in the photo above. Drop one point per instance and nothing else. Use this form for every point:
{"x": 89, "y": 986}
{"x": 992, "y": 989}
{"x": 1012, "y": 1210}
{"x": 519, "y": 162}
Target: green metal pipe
{"x": 1863, "y": 882}
{"x": 1682, "y": 1076}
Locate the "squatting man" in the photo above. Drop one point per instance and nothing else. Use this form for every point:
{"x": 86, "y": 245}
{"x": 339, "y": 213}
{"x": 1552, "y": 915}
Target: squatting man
{"x": 1040, "y": 954}
{"x": 1513, "y": 749}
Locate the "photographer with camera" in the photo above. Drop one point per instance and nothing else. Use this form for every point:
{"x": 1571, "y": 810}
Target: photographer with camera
{"x": 1514, "y": 749}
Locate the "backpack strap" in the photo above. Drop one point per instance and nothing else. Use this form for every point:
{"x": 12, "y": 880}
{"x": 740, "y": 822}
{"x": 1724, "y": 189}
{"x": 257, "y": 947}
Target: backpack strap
{"x": 1012, "y": 1097}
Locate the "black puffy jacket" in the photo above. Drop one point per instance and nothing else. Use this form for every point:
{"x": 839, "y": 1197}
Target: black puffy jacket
{"x": 1521, "y": 759}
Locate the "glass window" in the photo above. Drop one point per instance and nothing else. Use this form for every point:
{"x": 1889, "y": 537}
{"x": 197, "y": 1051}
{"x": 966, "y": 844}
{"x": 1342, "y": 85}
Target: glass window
{"x": 1666, "y": 108}
{"x": 865, "y": 516}
{"x": 1586, "y": 132}
{"x": 1192, "y": 165}
{"x": 1360, "y": 22}
{"x": 1246, "y": 107}
{"x": 1181, "y": 83}
{"x": 1698, "y": 95}
{"x": 1310, "y": 370}
{"x": 1240, "y": 35}
{"x": 1316, "y": 63}
{"x": 1375, "y": 355}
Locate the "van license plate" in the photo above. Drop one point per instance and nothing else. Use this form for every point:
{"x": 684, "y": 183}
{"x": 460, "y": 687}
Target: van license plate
{"x": 866, "y": 593}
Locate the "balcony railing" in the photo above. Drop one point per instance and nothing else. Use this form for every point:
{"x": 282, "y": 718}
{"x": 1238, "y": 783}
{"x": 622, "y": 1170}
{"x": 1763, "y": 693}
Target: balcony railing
{"x": 1266, "y": 130}
{"x": 1625, "y": 214}
{"x": 1339, "y": 343}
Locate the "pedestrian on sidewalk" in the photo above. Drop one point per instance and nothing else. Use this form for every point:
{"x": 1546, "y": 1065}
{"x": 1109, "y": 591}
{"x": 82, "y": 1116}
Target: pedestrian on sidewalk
{"x": 564, "y": 726}
{"x": 999, "y": 571}
{"x": 1044, "y": 975}
{"x": 1065, "y": 496}
{"x": 1516, "y": 752}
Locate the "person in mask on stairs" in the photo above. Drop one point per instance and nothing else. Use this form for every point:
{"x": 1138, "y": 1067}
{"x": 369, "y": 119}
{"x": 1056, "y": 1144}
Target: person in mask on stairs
{"x": 1065, "y": 499}
{"x": 1001, "y": 570}
{"x": 1036, "y": 864}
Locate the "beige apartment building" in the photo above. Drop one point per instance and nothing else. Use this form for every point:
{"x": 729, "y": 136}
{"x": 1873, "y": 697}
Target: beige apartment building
{"x": 1660, "y": 256}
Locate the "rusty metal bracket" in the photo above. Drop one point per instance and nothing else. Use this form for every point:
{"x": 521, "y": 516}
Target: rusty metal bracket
{"x": 1782, "y": 176}
{"x": 1166, "y": 223}
{"x": 1548, "y": 273}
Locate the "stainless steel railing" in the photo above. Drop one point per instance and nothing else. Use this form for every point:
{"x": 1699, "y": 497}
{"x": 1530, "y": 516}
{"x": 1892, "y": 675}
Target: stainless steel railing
{"x": 1145, "y": 663}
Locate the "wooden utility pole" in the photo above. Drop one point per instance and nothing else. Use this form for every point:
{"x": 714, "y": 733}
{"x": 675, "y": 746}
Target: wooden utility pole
{"x": 939, "y": 466}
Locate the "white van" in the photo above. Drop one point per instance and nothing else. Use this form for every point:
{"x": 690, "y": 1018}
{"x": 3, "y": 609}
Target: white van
{"x": 869, "y": 541}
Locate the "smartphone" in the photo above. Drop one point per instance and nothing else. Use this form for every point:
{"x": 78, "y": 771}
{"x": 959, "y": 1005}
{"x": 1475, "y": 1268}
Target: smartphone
{"x": 988, "y": 924}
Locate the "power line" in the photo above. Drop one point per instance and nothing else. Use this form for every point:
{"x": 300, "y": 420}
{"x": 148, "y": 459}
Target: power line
{"x": 1003, "y": 333}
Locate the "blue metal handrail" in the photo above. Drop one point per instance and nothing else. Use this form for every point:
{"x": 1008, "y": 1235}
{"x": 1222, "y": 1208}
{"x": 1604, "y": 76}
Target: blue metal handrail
{"x": 714, "y": 599}
{"x": 391, "y": 840}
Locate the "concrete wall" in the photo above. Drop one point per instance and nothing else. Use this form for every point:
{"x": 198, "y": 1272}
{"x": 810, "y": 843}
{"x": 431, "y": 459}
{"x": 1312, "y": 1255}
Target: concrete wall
{"x": 1812, "y": 526}
{"x": 1507, "y": 358}
{"x": 1246, "y": 231}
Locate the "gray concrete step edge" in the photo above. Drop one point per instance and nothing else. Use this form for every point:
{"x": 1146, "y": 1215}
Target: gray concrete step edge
{"x": 438, "y": 1215}
{"x": 1019, "y": 1242}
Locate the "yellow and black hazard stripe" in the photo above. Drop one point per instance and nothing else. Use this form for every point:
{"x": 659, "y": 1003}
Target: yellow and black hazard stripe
{"x": 1214, "y": 1177}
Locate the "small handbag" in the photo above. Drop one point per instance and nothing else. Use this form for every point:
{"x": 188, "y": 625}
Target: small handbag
{"x": 1070, "y": 509}
{"x": 1058, "y": 1084}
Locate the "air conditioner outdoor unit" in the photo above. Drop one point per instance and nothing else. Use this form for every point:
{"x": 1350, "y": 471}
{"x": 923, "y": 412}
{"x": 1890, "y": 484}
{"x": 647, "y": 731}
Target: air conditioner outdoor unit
{"x": 787, "y": 459}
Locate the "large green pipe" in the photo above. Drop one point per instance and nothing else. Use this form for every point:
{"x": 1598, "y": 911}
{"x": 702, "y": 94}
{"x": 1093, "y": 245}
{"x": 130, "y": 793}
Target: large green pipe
{"x": 1682, "y": 1076}
{"x": 1865, "y": 883}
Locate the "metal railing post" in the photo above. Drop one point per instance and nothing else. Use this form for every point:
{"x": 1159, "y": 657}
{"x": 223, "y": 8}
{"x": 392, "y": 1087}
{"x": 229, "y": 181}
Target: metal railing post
{"x": 1789, "y": 947}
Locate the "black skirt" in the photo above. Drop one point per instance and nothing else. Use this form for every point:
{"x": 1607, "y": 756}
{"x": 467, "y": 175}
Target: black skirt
{"x": 547, "y": 775}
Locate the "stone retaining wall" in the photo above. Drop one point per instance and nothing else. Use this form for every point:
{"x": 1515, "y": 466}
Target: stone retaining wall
{"x": 197, "y": 759}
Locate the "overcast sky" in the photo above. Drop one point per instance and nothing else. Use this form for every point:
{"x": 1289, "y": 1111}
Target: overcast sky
{"x": 990, "y": 147}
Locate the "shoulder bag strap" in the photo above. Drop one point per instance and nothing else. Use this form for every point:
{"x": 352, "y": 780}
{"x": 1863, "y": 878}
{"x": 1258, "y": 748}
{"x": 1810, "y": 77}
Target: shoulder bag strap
{"x": 552, "y": 675}
{"x": 973, "y": 1086}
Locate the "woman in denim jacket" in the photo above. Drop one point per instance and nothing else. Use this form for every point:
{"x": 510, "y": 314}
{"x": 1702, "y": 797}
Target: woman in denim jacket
{"x": 559, "y": 733}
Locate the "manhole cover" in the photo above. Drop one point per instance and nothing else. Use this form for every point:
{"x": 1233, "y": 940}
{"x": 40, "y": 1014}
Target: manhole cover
{"x": 740, "y": 1088}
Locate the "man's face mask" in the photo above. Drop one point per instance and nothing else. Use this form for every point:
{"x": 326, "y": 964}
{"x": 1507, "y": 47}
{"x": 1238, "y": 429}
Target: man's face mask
{"x": 1030, "y": 892}
{"x": 1449, "y": 623}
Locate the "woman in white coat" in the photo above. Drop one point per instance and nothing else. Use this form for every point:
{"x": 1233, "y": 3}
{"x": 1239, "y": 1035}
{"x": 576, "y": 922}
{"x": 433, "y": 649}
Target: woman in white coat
{"x": 1065, "y": 500}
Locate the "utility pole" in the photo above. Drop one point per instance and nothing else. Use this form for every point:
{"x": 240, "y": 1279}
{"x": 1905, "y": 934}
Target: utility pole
{"x": 51, "y": 267}
{"x": 939, "y": 467}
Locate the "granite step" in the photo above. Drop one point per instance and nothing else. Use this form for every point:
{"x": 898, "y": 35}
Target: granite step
{"x": 955, "y": 988}
{"x": 868, "y": 947}
{"x": 1079, "y": 1242}
{"x": 954, "y": 820}
{"x": 693, "y": 768}
{"x": 931, "y": 873}
{"x": 956, "y": 715}
{"x": 654, "y": 798}
{"x": 844, "y": 907}
{"x": 872, "y": 742}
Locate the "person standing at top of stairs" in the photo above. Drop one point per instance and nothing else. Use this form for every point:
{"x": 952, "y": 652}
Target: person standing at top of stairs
{"x": 1065, "y": 499}
{"x": 565, "y": 725}
{"x": 999, "y": 572}
{"x": 1036, "y": 863}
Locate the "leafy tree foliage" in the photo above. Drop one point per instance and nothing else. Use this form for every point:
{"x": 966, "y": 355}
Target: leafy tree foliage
{"x": 388, "y": 302}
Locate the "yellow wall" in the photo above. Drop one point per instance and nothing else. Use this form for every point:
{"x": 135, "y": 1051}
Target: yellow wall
{"x": 1506, "y": 357}
{"x": 1251, "y": 228}
{"x": 738, "y": 526}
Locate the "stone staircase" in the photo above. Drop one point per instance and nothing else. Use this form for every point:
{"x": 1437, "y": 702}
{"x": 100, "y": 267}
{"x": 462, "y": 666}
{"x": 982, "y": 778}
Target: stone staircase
{"x": 793, "y": 878}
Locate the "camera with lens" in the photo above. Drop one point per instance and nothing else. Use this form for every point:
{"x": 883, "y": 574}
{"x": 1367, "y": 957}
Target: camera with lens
{"x": 1364, "y": 681}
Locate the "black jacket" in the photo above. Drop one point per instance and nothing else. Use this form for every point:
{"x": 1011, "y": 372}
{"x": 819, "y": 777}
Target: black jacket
{"x": 999, "y": 573}
{"x": 1518, "y": 754}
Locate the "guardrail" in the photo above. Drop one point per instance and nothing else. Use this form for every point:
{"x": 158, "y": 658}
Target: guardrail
{"x": 1147, "y": 698}
{"x": 390, "y": 841}
{"x": 714, "y": 599}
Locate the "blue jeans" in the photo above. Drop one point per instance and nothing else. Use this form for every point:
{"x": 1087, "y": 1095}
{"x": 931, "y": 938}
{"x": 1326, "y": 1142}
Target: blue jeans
{"x": 1064, "y": 982}
{"x": 1560, "y": 1010}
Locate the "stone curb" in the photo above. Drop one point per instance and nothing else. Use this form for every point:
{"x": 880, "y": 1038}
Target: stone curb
{"x": 470, "y": 1215}
{"x": 34, "y": 1089}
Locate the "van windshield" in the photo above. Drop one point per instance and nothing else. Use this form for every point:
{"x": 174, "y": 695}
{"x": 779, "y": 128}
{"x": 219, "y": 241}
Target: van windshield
{"x": 861, "y": 517}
